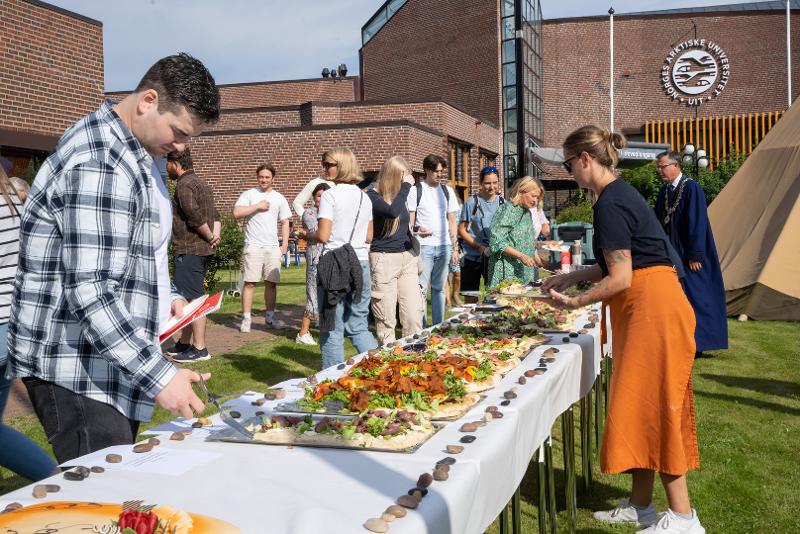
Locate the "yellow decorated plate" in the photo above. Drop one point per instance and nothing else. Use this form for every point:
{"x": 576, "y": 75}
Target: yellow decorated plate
{"x": 82, "y": 517}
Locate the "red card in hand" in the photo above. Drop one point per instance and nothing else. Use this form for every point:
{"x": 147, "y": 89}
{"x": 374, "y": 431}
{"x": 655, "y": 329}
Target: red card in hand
{"x": 199, "y": 307}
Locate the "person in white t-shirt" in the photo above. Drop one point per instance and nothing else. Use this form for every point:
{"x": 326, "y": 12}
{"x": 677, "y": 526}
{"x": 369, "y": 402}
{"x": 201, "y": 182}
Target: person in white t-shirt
{"x": 302, "y": 198}
{"x": 541, "y": 224}
{"x": 433, "y": 208}
{"x": 345, "y": 216}
{"x": 264, "y": 209}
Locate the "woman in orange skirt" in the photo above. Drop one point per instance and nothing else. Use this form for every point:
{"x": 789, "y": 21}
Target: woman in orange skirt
{"x": 651, "y": 425}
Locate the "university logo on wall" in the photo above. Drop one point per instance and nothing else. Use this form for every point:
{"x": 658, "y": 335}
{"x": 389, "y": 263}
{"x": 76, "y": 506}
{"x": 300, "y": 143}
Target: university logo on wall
{"x": 695, "y": 71}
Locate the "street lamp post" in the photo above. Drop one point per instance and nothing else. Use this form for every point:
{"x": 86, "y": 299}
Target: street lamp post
{"x": 698, "y": 157}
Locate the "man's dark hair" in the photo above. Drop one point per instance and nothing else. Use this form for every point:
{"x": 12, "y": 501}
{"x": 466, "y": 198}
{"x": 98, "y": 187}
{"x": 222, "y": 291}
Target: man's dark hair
{"x": 181, "y": 80}
{"x": 266, "y": 166}
{"x": 320, "y": 187}
{"x": 431, "y": 161}
{"x": 184, "y": 159}
{"x": 670, "y": 155}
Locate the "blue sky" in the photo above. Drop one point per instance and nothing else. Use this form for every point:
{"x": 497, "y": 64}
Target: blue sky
{"x": 261, "y": 40}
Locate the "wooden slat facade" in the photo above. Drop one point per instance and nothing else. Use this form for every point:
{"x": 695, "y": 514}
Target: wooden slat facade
{"x": 719, "y": 136}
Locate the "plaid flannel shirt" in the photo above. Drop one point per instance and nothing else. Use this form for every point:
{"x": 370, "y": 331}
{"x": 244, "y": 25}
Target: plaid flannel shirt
{"x": 85, "y": 306}
{"x": 193, "y": 206}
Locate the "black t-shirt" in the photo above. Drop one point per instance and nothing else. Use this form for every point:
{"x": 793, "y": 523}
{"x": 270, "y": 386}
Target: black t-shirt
{"x": 623, "y": 220}
{"x": 383, "y": 214}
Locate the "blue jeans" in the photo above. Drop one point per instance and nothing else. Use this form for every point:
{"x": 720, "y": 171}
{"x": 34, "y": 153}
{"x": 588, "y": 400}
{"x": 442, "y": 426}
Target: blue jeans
{"x": 17, "y": 452}
{"x": 351, "y": 320}
{"x": 435, "y": 260}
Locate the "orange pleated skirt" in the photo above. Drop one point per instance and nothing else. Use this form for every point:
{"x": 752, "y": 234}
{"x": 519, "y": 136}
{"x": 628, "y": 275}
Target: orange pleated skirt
{"x": 651, "y": 420}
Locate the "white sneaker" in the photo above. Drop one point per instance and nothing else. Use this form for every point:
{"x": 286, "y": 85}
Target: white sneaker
{"x": 244, "y": 327}
{"x": 273, "y": 322}
{"x": 669, "y": 523}
{"x": 625, "y": 512}
{"x": 305, "y": 339}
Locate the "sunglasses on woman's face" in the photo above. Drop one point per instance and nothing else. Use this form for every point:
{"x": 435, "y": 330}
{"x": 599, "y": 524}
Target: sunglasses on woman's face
{"x": 329, "y": 164}
{"x": 567, "y": 165}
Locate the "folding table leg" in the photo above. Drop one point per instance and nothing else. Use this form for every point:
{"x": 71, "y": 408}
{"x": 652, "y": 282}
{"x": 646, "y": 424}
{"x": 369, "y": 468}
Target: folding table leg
{"x": 516, "y": 513}
{"x": 568, "y": 432}
{"x": 504, "y": 520}
{"x": 586, "y": 442}
{"x": 589, "y": 441}
{"x": 541, "y": 471}
{"x": 551, "y": 485}
{"x": 598, "y": 407}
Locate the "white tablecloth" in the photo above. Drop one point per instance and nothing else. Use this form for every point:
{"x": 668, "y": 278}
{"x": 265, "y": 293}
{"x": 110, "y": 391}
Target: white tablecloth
{"x": 274, "y": 489}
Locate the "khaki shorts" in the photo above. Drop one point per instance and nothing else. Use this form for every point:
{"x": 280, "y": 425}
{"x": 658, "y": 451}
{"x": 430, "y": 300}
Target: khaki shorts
{"x": 261, "y": 263}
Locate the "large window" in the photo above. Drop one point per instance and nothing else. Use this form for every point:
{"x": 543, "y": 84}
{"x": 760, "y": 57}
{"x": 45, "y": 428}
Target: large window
{"x": 521, "y": 34}
{"x": 379, "y": 19}
{"x": 486, "y": 160}
{"x": 458, "y": 164}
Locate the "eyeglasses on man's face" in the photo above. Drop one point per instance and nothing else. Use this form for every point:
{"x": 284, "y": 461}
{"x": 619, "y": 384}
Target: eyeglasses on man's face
{"x": 663, "y": 166}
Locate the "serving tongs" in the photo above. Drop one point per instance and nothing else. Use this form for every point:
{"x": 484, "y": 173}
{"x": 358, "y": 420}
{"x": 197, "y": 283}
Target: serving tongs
{"x": 226, "y": 417}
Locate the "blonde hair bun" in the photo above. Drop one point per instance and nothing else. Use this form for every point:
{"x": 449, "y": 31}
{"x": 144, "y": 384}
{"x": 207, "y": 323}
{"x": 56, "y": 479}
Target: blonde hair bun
{"x": 600, "y": 143}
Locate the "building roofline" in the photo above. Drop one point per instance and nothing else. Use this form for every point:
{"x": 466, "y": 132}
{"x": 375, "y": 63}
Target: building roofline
{"x": 261, "y": 109}
{"x": 714, "y": 10}
{"x": 27, "y": 140}
{"x": 269, "y": 82}
{"x": 63, "y": 11}
{"x": 314, "y": 127}
{"x": 382, "y": 102}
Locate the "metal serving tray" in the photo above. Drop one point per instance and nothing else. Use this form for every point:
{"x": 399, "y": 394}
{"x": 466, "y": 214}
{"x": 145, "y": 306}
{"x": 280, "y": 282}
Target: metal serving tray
{"x": 228, "y": 435}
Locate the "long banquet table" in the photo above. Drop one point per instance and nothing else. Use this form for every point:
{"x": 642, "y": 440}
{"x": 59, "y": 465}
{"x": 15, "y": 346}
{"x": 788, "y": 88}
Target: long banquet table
{"x": 277, "y": 489}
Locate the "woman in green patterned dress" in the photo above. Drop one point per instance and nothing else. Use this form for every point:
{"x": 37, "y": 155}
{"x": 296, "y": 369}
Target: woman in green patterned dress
{"x": 512, "y": 246}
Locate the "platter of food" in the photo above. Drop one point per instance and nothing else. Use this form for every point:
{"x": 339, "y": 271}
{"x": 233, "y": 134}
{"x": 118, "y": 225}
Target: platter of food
{"x": 442, "y": 375}
{"x": 552, "y": 246}
{"x": 81, "y": 517}
{"x": 375, "y": 430}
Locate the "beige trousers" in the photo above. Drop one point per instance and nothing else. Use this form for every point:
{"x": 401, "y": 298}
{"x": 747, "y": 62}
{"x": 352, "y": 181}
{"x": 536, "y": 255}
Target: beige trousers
{"x": 395, "y": 280}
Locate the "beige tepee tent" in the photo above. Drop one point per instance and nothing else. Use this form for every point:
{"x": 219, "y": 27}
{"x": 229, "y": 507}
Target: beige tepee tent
{"x": 756, "y": 224}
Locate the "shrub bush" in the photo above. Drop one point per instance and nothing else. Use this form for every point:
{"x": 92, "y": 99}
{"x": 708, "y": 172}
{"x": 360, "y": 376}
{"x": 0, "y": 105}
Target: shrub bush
{"x": 582, "y": 211}
{"x": 646, "y": 180}
{"x": 228, "y": 253}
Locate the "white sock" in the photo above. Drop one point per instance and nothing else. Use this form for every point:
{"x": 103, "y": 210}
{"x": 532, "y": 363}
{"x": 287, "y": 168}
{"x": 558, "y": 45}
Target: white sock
{"x": 687, "y": 517}
{"x": 246, "y": 315}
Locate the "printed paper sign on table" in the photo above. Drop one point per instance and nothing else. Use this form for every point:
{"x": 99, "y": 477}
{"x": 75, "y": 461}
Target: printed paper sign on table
{"x": 199, "y": 307}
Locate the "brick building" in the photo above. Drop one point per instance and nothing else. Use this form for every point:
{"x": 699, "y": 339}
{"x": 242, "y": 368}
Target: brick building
{"x": 51, "y": 73}
{"x": 477, "y": 82}
{"x": 294, "y": 136}
{"x": 290, "y": 123}
{"x": 484, "y": 57}
{"x": 538, "y": 80}
{"x": 746, "y": 40}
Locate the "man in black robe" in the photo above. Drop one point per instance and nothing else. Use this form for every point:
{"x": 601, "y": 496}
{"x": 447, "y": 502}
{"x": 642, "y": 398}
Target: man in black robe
{"x": 681, "y": 208}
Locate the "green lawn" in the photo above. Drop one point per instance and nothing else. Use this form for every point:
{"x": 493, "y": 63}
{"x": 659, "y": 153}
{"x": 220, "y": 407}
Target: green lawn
{"x": 748, "y": 412}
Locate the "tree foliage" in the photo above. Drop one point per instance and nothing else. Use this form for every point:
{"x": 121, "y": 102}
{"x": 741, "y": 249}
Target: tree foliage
{"x": 646, "y": 180}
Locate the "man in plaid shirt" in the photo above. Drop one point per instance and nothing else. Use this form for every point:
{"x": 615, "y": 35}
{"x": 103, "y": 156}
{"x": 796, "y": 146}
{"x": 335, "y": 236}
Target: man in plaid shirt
{"x": 92, "y": 285}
